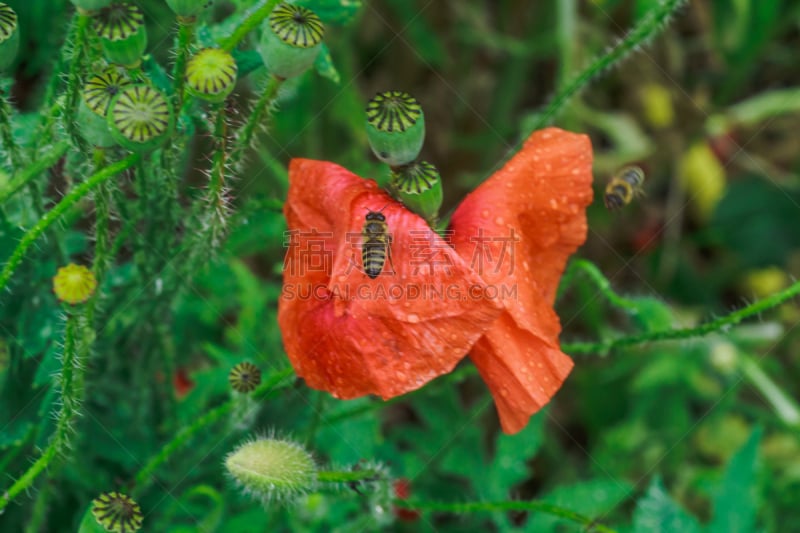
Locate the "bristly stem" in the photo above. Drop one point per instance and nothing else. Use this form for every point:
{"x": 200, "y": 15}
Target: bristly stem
{"x": 38, "y": 165}
{"x": 348, "y": 476}
{"x": 185, "y": 34}
{"x": 504, "y": 506}
{"x": 647, "y": 28}
{"x": 603, "y": 285}
{"x": 249, "y": 24}
{"x": 102, "y": 238}
{"x": 145, "y": 476}
{"x": 6, "y": 133}
{"x": 264, "y": 102}
{"x": 74, "y": 84}
{"x": 760, "y": 306}
{"x": 76, "y": 194}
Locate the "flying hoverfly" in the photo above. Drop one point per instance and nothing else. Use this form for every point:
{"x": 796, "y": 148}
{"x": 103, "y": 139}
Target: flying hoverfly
{"x": 623, "y": 186}
{"x": 377, "y": 242}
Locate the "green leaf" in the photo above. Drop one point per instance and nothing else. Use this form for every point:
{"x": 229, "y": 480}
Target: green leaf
{"x": 735, "y": 502}
{"x": 657, "y": 512}
{"x": 591, "y": 498}
{"x": 333, "y": 11}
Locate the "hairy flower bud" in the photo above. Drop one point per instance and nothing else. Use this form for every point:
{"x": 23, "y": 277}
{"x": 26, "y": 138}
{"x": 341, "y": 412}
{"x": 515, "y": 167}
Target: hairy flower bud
{"x": 395, "y": 127}
{"x": 122, "y": 33}
{"x": 290, "y": 40}
{"x": 74, "y": 284}
{"x": 272, "y": 469}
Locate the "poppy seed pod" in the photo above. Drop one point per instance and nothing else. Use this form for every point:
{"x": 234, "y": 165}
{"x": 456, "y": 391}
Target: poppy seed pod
{"x": 122, "y": 33}
{"x": 188, "y": 8}
{"x": 211, "y": 74}
{"x": 272, "y": 469}
{"x": 9, "y": 36}
{"x": 290, "y": 40}
{"x": 244, "y": 377}
{"x": 91, "y": 5}
{"x": 395, "y": 127}
{"x": 112, "y": 512}
{"x": 419, "y": 186}
{"x": 98, "y": 92}
{"x": 140, "y": 118}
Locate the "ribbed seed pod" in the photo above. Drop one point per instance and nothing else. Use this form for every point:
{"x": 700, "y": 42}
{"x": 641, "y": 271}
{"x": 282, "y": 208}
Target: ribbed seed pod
{"x": 140, "y": 118}
{"x": 91, "y": 5}
{"x": 9, "y": 36}
{"x": 419, "y": 186}
{"x": 114, "y": 512}
{"x": 290, "y": 40}
{"x": 395, "y": 127}
{"x": 189, "y": 8}
{"x": 122, "y": 33}
{"x": 211, "y": 74}
{"x": 98, "y": 92}
{"x": 244, "y": 377}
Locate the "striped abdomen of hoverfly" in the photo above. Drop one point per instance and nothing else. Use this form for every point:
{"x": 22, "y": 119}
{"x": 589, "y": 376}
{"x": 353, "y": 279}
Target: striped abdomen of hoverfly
{"x": 376, "y": 244}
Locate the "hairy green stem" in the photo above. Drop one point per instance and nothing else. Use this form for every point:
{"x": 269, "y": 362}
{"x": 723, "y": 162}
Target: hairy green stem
{"x": 348, "y": 476}
{"x": 185, "y": 34}
{"x": 102, "y": 237}
{"x": 722, "y": 323}
{"x": 59, "y": 209}
{"x": 266, "y": 100}
{"x": 603, "y": 285}
{"x": 647, "y": 28}
{"x": 145, "y": 476}
{"x": 504, "y": 506}
{"x": 74, "y": 85}
{"x": 23, "y": 176}
{"x": 249, "y": 24}
{"x": 6, "y": 133}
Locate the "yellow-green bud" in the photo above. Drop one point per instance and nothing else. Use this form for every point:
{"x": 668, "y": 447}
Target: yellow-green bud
{"x": 122, "y": 33}
{"x": 395, "y": 127}
{"x": 419, "y": 186}
{"x": 272, "y": 469}
{"x": 112, "y": 512}
{"x": 189, "y": 8}
{"x": 290, "y": 40}
{"x": 9, "y": 36}
{"x": 140, "y": 118}
{"x": 211, "y": 74}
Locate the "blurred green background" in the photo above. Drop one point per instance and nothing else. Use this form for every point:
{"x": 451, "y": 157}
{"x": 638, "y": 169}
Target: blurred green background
{"x": 681, "y": 436}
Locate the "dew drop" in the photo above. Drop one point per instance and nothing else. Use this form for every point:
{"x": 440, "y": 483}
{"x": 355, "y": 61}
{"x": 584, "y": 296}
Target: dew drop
{"x": 412, "y": 318}
{"x": 499, "y": 221}
{"x": 485, "y": 213}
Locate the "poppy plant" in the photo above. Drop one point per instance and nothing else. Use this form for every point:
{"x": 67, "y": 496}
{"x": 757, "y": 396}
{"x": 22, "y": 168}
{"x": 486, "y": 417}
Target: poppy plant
{"x": 486, "y": 288}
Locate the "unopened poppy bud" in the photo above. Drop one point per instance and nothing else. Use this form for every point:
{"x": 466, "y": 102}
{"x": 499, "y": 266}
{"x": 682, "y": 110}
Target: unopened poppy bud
{"x": 140, "y": 118}
{"x": 74, "y": 284}
{"x": 98, "y": 92}
{"x": 244, "y": 377}
{"x": 290, "y": 40}
{"x": 91, "y": 5}
{"x": 272, "y": 469}
{"x": 188, "y": 8}
{"x": 211, "y": 74}
{"x": 113, "y": 512}
{"x": 395, "y": 127}
{"x": 419, "y": 186}
{"x": 9, "y": 36}
{"x": 122, "y": 33}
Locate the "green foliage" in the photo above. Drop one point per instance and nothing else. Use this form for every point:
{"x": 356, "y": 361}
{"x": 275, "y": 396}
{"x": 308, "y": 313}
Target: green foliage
{"x": 681, "y": 413}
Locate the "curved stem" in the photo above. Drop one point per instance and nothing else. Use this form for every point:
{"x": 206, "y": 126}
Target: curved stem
{"x": 249, "y": 24}
{"x": 74, "y": 84}
{"x": 266, "y": 100}
{"x": 145, "y": 476}
{"x": 597, "y": 277}
{"x": 185, "y": 33}
{"x": 532, "y": 506}
{"x": 59, "y": 209}
{"x": 603, "y": 347}
{"x": 649, "y": 26}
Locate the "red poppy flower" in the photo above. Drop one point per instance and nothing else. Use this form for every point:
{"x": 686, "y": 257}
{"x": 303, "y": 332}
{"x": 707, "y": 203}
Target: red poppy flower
{"x": 488, "y": 291}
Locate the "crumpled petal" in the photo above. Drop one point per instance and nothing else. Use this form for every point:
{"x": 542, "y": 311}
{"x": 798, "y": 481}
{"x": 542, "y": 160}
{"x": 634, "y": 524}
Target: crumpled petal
{"x": 351, "y": 335}
{"x": 517, "y": 230}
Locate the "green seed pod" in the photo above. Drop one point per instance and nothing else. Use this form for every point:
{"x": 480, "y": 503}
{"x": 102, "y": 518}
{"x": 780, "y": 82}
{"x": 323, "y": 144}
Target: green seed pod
{"x": 244, "y": 377}
{"x": 98, "y": 92}
{"x": 122, "y": 33}
{"x": 272, "y": 469}
{"x": 419, "y": 186}
{"x": 9, "y": 36}
{"x": 290, "y": 40}
{"x": 140, "y": 118}
{"x": 188, "y": 8}
{"x": 91, "y": 5}
{"x": 113, "y": 512}
{"x": 211, "y": 74}
{"x": 395, "y": 127}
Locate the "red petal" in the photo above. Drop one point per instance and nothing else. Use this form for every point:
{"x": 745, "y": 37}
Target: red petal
{"x": 352, "y": 335}
{"x": 518, "y": 229}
